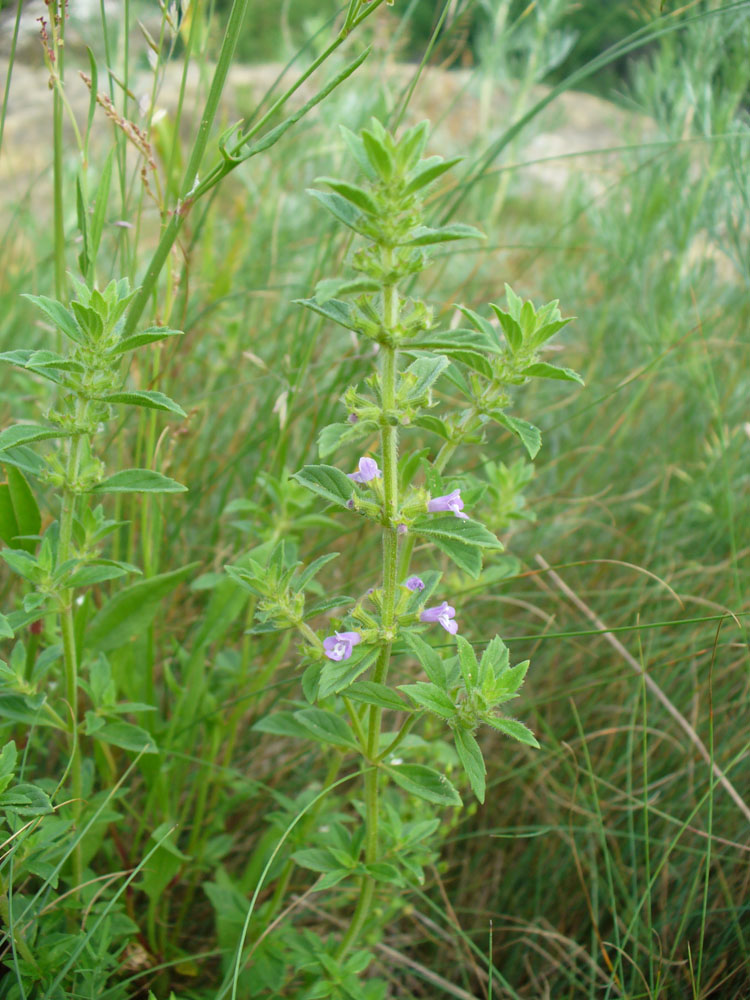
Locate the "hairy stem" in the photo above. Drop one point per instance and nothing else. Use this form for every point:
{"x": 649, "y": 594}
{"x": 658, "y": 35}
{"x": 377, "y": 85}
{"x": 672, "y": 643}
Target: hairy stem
{"x": 389, "y": 448}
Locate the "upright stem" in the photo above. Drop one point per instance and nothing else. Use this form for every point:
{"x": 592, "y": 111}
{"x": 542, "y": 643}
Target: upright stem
{"x": 67, "y": 627}
{"x": 389, "y": 448}
{"x": 58, "y": 34}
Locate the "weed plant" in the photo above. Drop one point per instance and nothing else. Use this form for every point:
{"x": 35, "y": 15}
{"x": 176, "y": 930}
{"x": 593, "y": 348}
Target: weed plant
{"x": 164, "y": 813}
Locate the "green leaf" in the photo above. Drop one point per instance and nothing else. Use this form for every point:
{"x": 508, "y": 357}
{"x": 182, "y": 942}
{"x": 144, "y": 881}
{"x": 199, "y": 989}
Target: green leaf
{"x": 316, "y": 859}
{"x": 26, "y": 799}
{"x": 327, "y": 482}
{"x": 128, "y": 614}
{"x": 425, "y": 371}
{"x": 351, "y": 192}
{"x": 19, "y": 513}
{"x": 19, "y": 434}
{"x": 455, "y": 340}
{"x": 424, "y": 783}
{"x": 6, "y": 632}
{"x": 25, "y": 459}
{"x": 468, "y": 661}
{"x": 549, "y": 330}
{"x": 425, "y": 236}
{"x": 433, "y": 424}
{"x": 149, "y": 336}
{"x": 331, "y": 288}
{"x": 541, "y": 369}
{"x": 472, "y": 761}
{"x": 511, "y": 329}
{"x": 138, "y": 481}
{"x": 59, "y": 316}
{"x": 341, "y": 209}
{"x": 310, "y": 572}
{"x": 143, "y": 397}
{"x": 452, "y": 528}
{"x": 372, "y": 693}
{"x": 333, "y": 309}
{"x": 429, "y": 696}
{"x": 530, "y": 436}
{"x": 378, "y": 154}
{"x": 512, "y": 728}
{"x": 326, "y": 727}
{"x": 334, "y": 435}
{"x": 428, "y": 171}
{"x": 357, "y": 149}
{"x": 127, "y": 736}
{"x": 336, "y": 677}
{"x": 282, "y": 724}
{"x": 429, "y": 658}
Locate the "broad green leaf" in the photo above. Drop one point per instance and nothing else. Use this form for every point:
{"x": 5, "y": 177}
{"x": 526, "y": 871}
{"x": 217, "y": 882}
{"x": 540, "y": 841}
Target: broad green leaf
{"x": 28, "y": 800}
{"x": 541, "y": 369}
{"x": 151, "y": 400}
{"x": 19, "y": 434}
{"x": 452, "y": 528}
{"x": 425, "y": 372}
{"x": 326, "y": 727}
{"x": 472, "y": 760}
{"x": 482, "y": 324}
{"x": 282, "y": 724}
{"x": 86, "y": 576}
{"x": 129, "y": 613}
{"x": 433, "y": 424}
{"x": 25, "y": 459}
{"x": 424, "y": 783}
{"x": 139, "y": 481}
{"x": 316, "y": 859}
{"x": 511, "y": 329}
{"x": 512, "y": 727}
{"x": 544, "y": 333}
{"x": 429, "y": 658}
{"x": 357, "y": 149}
{"x": 494, "y": 659}
{"x": 334, "y": 435}
{"x": 336, "y": 677}
{"x": 428, "y": 171}
{"x": 149, "y": 336}
{"x": 331, "y": 288}
{"x": 425, "y": 236}
{"x": 459, "y": 339}
{"x": 310, "y": 572}
{"x": 371, "y": 693}
{"x": 378, "y": 154}
{"x": 341, "y": 209}
{"x": 19, "y": 513}
{"x": 467, "y": 659}
{"x": 127, "y": 736}
{"x": 59, "y": 316}
{"x": 515, "y": 304}
{"x": 360, "y": 198}
{"x": 333, "y": 309}
{"x": 327, "y": 482}
{"x": 6, "y": 632}
{"x": 429, "y": 696}
{"x": 530, "y": 436}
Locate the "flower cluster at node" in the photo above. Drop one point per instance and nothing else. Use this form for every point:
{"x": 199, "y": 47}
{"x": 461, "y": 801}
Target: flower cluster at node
{"x": 451, "y": 501}
{"x": 368, "y": 470}
{"x": 415, "y": 583}
{"x": 443, "y": 614}
{"x": 339, "y": 645}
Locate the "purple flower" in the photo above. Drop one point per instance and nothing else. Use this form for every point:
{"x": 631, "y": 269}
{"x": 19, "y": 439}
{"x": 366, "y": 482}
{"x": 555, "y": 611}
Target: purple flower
{"x": 353, "y": 418}
{"x": 451, "y": 501}
{"x": 443, "y": 614}
{"x": 401, "y": 529}
{"x": 368, "y": 469}
{"x": 339, "y": 645}
{"x": 415, "y": 583}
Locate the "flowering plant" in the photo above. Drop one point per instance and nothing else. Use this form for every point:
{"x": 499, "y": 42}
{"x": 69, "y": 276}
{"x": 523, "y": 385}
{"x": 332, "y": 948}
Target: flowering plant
{"x": 393, "y": 621}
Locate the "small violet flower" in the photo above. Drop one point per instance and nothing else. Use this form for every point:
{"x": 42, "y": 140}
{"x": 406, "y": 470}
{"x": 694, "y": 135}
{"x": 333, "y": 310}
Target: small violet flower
{"x": 415, "y": 583}
{"x": 368, "y": 470}
{"x": 339, "y": 645}
{"x": 443, "y": 614}
{"x": 451, "y": 501}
